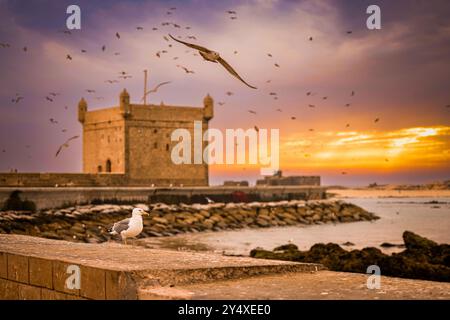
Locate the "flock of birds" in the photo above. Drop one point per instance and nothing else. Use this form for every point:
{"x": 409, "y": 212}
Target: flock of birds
{"x": 200, "y": 50}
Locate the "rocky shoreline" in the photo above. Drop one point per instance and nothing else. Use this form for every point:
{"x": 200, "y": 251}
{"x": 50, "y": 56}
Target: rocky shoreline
{"x": 422, "y": 259}
{"x": 90, "y": 223}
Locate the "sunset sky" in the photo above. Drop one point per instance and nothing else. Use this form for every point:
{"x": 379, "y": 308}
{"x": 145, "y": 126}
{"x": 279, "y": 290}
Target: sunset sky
{"x": 400, "y": 75}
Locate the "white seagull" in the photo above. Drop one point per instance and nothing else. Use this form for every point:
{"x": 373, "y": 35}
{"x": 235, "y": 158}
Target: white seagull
{"x": 130, "y": 227}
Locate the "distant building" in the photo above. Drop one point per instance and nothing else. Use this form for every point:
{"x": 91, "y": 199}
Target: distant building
{"x": 278, "y": 180}
{"x": 136, "y": 140}
{"x": 129, "y": 145}
{"x": 229, "y": 183}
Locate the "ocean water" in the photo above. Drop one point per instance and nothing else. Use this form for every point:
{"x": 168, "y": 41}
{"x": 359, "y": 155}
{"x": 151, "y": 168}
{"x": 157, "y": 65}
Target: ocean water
{"x": 428, "y": 217}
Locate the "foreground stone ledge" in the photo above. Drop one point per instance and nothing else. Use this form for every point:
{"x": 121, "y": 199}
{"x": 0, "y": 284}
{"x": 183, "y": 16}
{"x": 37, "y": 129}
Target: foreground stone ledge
{"x": 115, "y": 271}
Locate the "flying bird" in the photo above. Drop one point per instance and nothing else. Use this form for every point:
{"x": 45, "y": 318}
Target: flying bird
{"x": 17, "y": 98}
{"x": 269, "y": 54}
{"x": 53, "y": 121}
{"x": 49, "y": 99}
{"x": 256, "y": 129}
{"x": 310, "y": 38}
{"x": 251, "y": 111}
{"x": 139, "y": 28}
{"x": 376, "y": 120}
{"x": 65, "y": 144}
{"x": 347, "y": 104}
{"x": 221, "y": 103}
{"x": 311, "y": 106}
{"x": 276, "y": 65}
{"x": 130, "y": 227}
{"x": 293, "y": 118}
{"x": 229, "y": 93}
{"x": 83, "y": 51}
{"x": 90, "y": 91}
{"x": 214, "y": 57}
{"x": 103, "y": 48}
{"x": 352, "y": 94}
{"x": 185, "y": 69}
{"x": 117, "y": 35}
{"x": 155, "y": 89}
{"x": 231, "y": 12}
{"x": 25, "y": 49}
{"x": 69, "y": 57}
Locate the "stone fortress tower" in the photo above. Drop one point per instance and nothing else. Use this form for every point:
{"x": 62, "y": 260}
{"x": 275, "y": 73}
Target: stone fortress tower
{"x": 135, "y": 141}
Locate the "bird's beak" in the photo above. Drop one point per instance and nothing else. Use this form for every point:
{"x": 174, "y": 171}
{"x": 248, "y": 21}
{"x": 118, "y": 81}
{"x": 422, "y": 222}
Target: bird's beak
{"x": 145, "y": 213}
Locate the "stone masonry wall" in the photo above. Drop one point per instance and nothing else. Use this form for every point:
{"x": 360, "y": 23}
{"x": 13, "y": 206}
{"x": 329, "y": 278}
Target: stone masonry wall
{"x": 33, "y": 278}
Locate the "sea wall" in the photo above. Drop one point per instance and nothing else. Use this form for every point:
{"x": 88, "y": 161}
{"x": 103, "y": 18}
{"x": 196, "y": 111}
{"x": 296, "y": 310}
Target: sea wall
{"x": 45, "y": 198}
{"x": 90, "y": 223}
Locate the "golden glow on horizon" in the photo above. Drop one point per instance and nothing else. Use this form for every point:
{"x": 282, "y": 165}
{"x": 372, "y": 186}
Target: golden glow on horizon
{"x": 415, "y": 148}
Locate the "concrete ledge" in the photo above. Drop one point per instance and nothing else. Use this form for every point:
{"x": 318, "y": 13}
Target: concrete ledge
{"x": 37, "y": 268}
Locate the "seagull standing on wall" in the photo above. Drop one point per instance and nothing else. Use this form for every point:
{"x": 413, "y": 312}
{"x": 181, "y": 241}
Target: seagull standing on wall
{"x": 130, "y": 227}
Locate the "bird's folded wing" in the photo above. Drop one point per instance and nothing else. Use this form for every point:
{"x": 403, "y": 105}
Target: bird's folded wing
{"x": 232, "y": 71}
{"x": 193, "y": 46}
{"x": 121, "y": 225}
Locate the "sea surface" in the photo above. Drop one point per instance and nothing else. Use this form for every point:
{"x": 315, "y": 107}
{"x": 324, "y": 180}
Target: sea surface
{"x": 428, "y": 217}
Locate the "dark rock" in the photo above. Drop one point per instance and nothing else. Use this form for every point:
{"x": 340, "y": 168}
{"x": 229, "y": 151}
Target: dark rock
{"x": 348, "y": 243}
{"x": 391, "y": 245}
{"x": 422, "y": 259}
{"x": 286, "y": 247}
{"x": 416, "y": 242}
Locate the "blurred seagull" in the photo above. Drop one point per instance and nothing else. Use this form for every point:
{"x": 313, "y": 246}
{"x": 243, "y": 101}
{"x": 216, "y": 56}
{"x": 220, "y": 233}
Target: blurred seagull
{"x": 154, "y": 89}
{"x": 65, "y": 145}
{"x": 214, "y": 57}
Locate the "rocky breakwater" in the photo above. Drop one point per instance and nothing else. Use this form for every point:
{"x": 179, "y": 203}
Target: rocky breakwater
{"x": 422, "y": 258}
{"x": 90, "y": 223}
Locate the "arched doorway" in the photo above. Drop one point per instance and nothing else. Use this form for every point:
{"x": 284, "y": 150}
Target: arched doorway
{"x": 108, "y": 165}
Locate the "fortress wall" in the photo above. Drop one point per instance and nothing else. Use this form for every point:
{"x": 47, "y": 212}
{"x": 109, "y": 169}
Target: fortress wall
{"x": 62, "y": 197}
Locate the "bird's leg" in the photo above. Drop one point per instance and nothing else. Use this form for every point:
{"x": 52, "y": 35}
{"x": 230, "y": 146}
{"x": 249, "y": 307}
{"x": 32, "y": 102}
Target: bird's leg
{"x": 125, "y": 240}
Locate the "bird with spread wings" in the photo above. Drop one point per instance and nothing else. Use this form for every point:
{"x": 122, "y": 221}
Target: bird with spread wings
{"x": 155, "y": 89}
{"x": 65, "y": 145}
{"x": 213, "y": 56}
